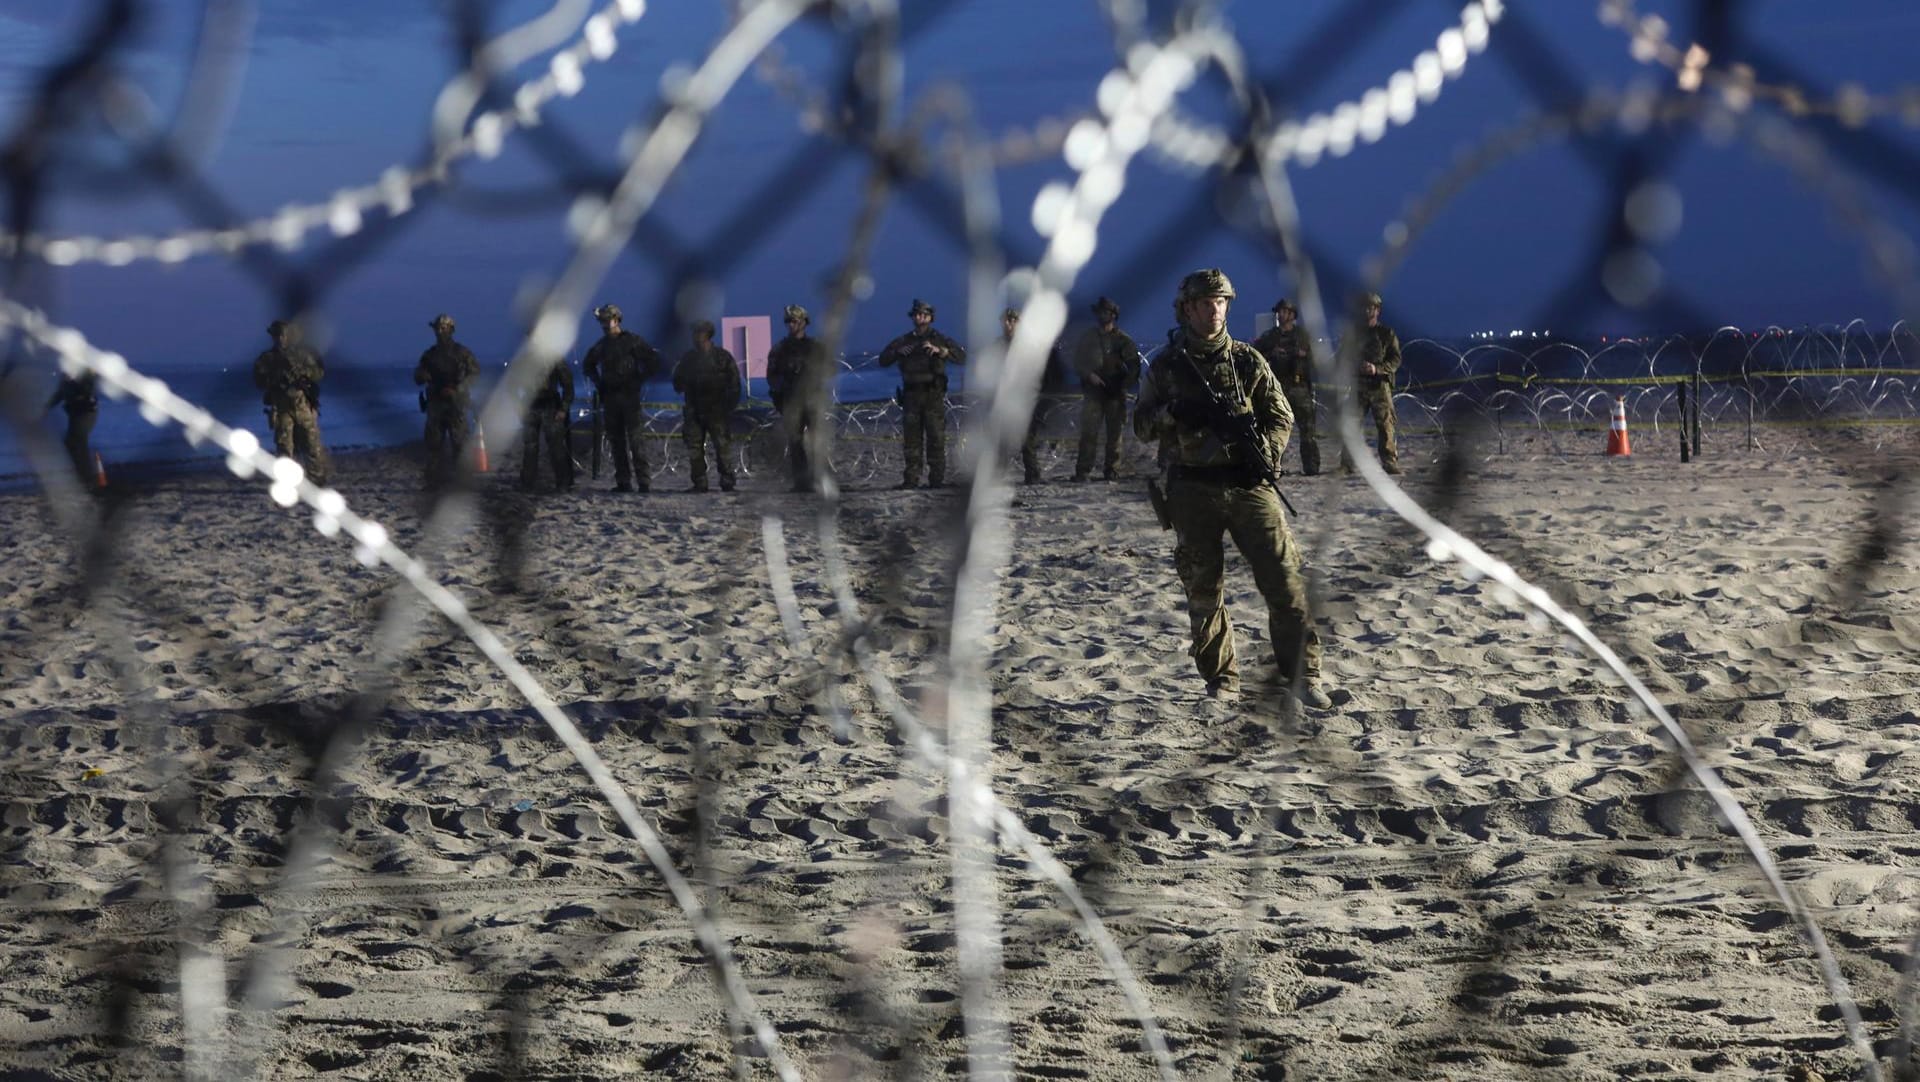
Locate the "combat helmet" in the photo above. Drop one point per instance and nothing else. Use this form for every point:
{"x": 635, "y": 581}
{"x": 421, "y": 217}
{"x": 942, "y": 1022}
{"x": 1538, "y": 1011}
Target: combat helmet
{"x": 1284, "y": 305}
{"x": 442, "y": 320}
{"x": 1010, "y": 313}
{"x": 920, "y": 306}
{"x": 703, "y": 326}
{"x": 1105, "y": 305}
{"x": 1369, "y": 300}
{"x": 278, "y": 327}
{"x": 1209, "y": 282}
{"x": 794, "y": 311}
{"x": 606, "y": 312}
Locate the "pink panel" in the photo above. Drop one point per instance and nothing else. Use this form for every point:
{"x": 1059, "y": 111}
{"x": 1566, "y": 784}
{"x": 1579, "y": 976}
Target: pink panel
{"x": 748, "y": 338}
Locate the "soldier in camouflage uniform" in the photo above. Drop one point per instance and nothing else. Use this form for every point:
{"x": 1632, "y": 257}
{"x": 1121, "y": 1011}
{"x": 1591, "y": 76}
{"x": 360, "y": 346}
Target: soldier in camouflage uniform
{"x": 79, "y": 396}
{"x": 618, "y": 364}
{"x": 923, "y": 355}
{"x": 1030, "y": 444}
{"x": 1371, "y": 354}
{"x": 547, "y": 415}
{"x": 1049, "y": 377}
{"x": 289, "y": 376}
{"x": 800, "y": 381}
{"x": 709, "y": 379}
{"x": 446, "y": 373}
{"x": 1289, "y": 353}
{"x": 1212, "y": 489}
{"x": 1108, "y": 363}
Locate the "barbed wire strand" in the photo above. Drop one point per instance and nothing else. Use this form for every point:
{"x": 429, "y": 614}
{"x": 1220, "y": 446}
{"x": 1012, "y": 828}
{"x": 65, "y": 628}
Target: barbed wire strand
{"x": 212, "y": 91}
{"x": 1649, "y": 39}
{"x": 856, "y": 634}
{"x": 344, "y": 212}
{"x": 1336, "y": 131}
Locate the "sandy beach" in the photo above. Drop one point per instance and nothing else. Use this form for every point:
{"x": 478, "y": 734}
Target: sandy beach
{"x": 1482, "y": 863}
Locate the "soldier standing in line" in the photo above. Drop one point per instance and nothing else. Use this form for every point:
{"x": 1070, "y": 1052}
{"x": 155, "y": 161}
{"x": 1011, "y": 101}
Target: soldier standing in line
{"x": 79, "y": 396}
{"x": 709, "y": 380}
{"x": 1108, "y": 362}
{"x": 289, "y": 376}
{"x": 446, "y": 372}
{"x": 923, "y": 355}
{"x": 800, "y": 381}
{"x": 1030, "y": 445}
{"x": 619, "y": 364}
{"x": 1200, "y": 388}
{"x": 547, "y": 417}
{"x": 1289, "y": 353}
{"x": 1372, "y": 354}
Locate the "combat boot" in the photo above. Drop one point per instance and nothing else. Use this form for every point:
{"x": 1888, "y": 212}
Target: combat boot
{"x": 1311, "y": 694}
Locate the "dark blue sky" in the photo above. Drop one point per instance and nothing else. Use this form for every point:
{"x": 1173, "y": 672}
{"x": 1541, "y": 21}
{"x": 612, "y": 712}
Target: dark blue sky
{"x": 335, "y": 92}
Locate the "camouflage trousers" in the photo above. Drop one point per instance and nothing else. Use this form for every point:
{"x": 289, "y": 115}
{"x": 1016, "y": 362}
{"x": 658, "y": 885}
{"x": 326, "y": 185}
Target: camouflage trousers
{"x": 1030, "y": 447}
{"x": 923, "y": 428}
{"x": 700, "y": 425}
{"x": 626, "y": 435}
{"x": 296, "y": 435}
{"x": 446, "y": 435}
{"x": 807, "y": 436}
{"x": 1099, "y": 412}
{"x": 78, "y": 443}
{"x": 1376, "y": 397}
{"x": 1202, "y": 511}
{"x": 546, "y": 427}
{"x": 1300, "y": 397}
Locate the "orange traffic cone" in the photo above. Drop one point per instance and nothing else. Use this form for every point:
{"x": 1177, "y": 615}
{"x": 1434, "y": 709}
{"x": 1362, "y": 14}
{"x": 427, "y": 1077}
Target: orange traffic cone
{"x": 480, "y": 449}
{"x": 99, "y": 471}
{"x": 1617, "y": 443}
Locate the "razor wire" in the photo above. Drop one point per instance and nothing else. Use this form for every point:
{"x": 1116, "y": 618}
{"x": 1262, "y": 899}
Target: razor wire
{"x": 1650, "y": 41}
{"x": 1149, "y": 79}
{"x": 396, "y": 192}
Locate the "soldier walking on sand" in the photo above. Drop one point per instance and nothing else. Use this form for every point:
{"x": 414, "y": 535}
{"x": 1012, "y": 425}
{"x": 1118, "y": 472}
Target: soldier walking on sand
{"x": 1108, "y": 363}
{"x": 288, "y": 376}
{"x": 1371, "y": 355}
{"x": 923, "y": 355}
{"x": 1289, "y": 353}
{"x": 547, "y": 415}
{"x": 618, "y": 364}
{"x": 1198, "y": 387}
{"x": 446, "y": 373}
{"x": 709, "y": 380}
{"x": 79, "y": 396}
{"x": 800, "y": 381}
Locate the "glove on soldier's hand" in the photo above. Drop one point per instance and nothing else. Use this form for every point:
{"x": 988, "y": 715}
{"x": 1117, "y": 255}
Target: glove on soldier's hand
{"x": 1189, "y": 413}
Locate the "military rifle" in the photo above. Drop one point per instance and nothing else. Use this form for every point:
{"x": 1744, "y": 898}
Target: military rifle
{"x": 1241, "y": 432}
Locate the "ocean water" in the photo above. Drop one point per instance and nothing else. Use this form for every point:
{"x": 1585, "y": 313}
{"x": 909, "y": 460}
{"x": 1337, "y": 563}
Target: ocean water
{"x": 378, "y": 407}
